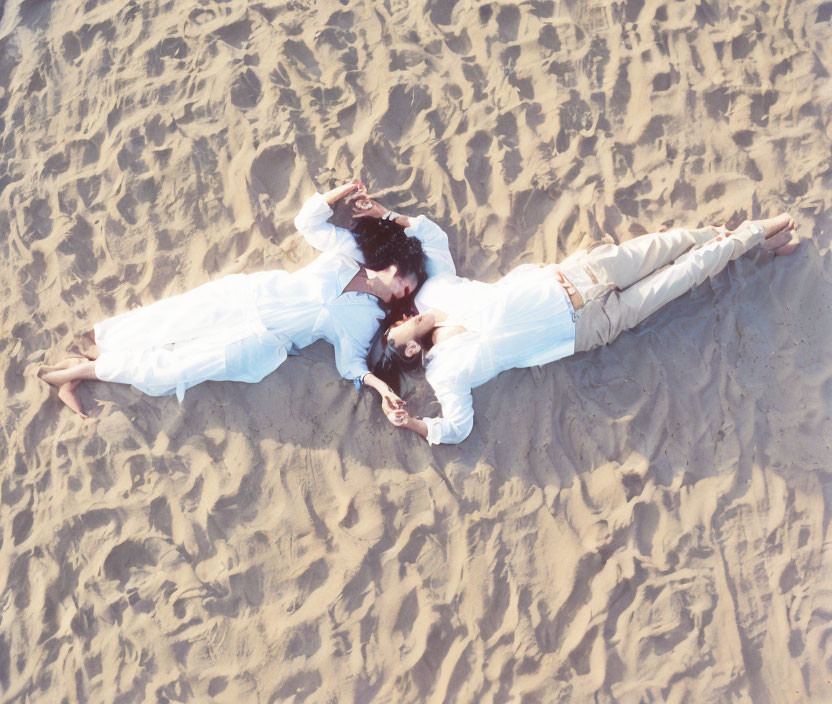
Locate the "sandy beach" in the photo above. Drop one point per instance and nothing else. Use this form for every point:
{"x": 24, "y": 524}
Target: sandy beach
{"x": 647, "y": 522}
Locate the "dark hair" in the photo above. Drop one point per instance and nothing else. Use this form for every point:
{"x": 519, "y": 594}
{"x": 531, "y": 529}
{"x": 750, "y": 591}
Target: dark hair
{"x": 393, "y": 363}
{"x": 384, "y": 242}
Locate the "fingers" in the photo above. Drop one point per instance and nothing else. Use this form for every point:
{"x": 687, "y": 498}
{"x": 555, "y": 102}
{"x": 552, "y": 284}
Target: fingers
{"x": 398, "y": 418}
{"x": 363, "y": 206}
{"x": 391, "y": 404}
{"x": 357, "y": 184}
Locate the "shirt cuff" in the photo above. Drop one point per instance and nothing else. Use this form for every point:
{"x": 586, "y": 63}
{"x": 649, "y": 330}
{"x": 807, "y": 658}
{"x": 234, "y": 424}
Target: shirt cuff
{"x": 358, "y": 381}
{"x": 434, "y": 436}
{"x": 412, "y": 230}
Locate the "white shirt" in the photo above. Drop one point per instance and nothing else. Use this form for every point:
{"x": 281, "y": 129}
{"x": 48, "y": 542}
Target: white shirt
{"x": 347, "y": 320}
{"x": 523, "y": 320}
{"x": 241, "y": 327}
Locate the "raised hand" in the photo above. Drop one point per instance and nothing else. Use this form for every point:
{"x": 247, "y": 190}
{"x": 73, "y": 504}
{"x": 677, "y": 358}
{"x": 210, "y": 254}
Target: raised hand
{"x": 364, "y": 207}
{"x": 353, "y": 188}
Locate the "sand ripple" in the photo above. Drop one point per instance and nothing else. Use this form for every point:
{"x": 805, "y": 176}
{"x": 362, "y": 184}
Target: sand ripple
{"x": 647, "y": 522}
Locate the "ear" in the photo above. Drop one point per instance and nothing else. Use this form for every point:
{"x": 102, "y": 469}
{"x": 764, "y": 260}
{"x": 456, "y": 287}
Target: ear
{"x": 412, "y": 348}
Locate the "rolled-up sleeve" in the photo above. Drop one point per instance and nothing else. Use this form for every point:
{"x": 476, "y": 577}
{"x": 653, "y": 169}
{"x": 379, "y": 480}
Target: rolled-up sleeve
{"x": 434, "y": 243}
{"x": 312, "y": 221}
{"x": 457, "y": 418}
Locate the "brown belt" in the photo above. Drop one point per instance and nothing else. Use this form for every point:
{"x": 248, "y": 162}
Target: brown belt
{"x": 574, "y": 297}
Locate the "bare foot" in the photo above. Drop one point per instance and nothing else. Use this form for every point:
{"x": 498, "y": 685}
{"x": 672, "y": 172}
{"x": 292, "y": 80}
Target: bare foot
{"x": 66, "y": 390}
{"x": 66, "y": 393}
{"x": 778, "y": 223}
{"x": 787, "y": 249}
{"x": 48, "y": 373}
{"x": 780, "y": 237}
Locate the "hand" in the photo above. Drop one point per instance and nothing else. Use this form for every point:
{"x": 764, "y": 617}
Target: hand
{"x": 352, "y": 188}
{"x": 376, "y": 210}
{"x": 391, "y": 402}
{"x": 399, "y": 417}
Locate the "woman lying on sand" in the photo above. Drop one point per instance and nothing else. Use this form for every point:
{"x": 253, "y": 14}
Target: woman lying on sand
{"x": 468, "y": 332}
{"x": 241, "y": 327}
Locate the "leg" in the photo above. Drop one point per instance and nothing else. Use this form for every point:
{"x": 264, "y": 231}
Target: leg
{"x": 623, "y": 265}
{"x": 602, "y": 320}
{"x": 82, "y": 369}
{"x": 66, "y": 377}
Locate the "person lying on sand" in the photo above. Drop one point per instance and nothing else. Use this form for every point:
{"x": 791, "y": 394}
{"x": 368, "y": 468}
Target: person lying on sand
{"x": 241, "y": 327}
{"x": 467, "y": 332}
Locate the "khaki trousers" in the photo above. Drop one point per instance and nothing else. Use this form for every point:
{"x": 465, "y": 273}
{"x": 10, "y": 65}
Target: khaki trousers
{"x": 633, "y": 280}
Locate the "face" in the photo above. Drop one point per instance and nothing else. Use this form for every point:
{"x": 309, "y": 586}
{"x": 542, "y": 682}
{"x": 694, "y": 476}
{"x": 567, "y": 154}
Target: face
{"x": 403, "y": 286}
{"x": 398, "y": 285}
{"x": 411, "y": 330}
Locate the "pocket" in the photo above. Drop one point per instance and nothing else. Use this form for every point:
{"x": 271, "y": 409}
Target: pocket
{"x": 593, "y": 326}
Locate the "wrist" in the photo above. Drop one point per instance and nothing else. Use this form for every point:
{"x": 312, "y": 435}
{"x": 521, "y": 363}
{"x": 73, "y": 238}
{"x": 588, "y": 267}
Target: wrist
{"x": 391, "y": 215}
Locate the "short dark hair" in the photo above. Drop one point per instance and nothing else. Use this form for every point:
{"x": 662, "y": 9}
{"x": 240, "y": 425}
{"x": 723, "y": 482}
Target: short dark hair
{"x": 382, "y": 242}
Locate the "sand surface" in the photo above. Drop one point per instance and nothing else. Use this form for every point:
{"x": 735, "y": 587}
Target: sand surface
{"x": 648, "y": 522}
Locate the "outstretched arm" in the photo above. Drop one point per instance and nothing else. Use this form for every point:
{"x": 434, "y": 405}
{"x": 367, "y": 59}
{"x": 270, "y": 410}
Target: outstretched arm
{"x": 313, "y": 221}
{"x": 333, "y": 196}
{"x": 390, "y": 400}
{"x": 433, "y": 238}
{"x": 402, "y": 419}
{"x": 453, "y": 426}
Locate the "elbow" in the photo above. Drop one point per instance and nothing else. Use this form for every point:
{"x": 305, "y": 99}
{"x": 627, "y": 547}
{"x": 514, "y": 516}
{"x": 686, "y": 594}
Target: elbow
{"x": 465, "y": 429}
{"x": 459, "y": 431}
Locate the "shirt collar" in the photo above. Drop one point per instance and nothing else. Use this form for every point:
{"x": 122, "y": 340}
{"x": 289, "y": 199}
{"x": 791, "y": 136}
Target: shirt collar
{"x": 346, "y": 271}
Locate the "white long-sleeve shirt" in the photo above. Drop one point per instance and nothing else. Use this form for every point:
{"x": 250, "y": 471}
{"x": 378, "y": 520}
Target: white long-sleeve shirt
{"x": 241, "y": 327}
{"x": 344, "y": 320}
{"x": 523, "y": 320}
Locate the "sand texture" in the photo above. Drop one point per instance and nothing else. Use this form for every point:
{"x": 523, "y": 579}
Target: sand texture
{"x": 649, "y": 522}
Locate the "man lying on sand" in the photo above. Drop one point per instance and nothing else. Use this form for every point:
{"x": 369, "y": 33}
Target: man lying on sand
{"x": 467, "y": 332}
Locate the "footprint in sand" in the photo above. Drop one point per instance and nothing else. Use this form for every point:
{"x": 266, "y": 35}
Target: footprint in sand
{"x": 38, "y": 216}
{"x": 70, "y": 46}
{"x": 235, "y": 34}
{"x": 245, "y": 89}
{"x": 270, "y": 174}
{"x": 478, "y": 169}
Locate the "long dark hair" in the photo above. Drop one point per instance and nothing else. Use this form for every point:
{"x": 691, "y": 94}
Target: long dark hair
{"x": 393, "y": 362}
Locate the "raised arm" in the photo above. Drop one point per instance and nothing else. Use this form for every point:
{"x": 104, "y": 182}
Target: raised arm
{"x": 312, "y": 221}
{"x": 434, "y": 243}
{"x": 433, "y": 238}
